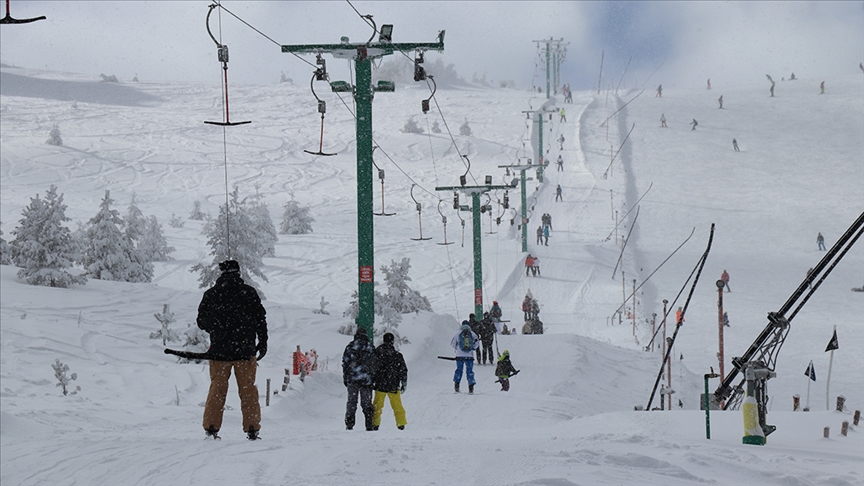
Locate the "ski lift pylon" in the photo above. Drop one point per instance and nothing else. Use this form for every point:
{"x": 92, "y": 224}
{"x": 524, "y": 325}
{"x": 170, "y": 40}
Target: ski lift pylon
{"x": 8, "y": 19}
{"x": 222, "y": 53}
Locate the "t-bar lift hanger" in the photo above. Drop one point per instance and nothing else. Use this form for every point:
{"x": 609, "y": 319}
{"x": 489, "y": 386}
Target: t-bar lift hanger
{"x": 223, "y": 58}
{"x": 9, "y": 20}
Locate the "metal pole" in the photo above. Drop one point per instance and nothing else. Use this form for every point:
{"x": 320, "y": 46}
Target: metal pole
{"x": 478, "y": 256}
{"x": 365, "y": 233}
{"x": 524, "y": 214}
{"x": 828, "y": 378}
{"x": 634, "y": 310}
{"x": 720, "y": 324}
{"x": 547, "y": 68}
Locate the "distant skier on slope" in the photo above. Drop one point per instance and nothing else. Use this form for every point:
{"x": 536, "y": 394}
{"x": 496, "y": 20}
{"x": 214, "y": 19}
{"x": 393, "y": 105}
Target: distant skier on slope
{"x": 464, "y": 342}
{"x": 487, "y": 337}
{"x": 659, "y": 91}
{"x": 820, "y": 241}
{"x": 720, "y": 100}
{"x": 663, "y": 121}
{"x": 694, "y": 124}
{"x": 735, "y": 145}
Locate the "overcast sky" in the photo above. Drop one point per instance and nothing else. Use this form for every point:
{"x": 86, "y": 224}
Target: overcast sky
{"x": 729, "y": 42}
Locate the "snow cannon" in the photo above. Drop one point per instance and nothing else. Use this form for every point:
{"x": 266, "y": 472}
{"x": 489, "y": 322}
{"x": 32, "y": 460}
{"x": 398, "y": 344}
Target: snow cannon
{"x": 754, "y": 405}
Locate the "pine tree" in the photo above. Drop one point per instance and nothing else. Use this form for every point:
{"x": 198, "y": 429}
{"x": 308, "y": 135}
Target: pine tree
{"x": 232, "y": 238}
{"x": 296, "y": 219}
{"x": 54, "y": 136}
{"x": 197, "y": 215}
{"x": 135, "y": 221}
{"x": 43, "y": 246}
{"x": 152, "y": 244}
{"x": 399, "y": 295}
{"x": 108, "y": 253}
{"x": 465, "y": 129}
{"x": 264, "y": 227}
{"x": 411, "y": 126}
{"x": 5, "y": 256}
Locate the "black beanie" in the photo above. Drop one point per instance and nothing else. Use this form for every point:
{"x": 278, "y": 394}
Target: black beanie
{"x": 229, "y": 266}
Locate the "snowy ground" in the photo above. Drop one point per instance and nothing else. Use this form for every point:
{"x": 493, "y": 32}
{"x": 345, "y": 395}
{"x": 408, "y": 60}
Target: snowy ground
{"x": 569, "y": 417}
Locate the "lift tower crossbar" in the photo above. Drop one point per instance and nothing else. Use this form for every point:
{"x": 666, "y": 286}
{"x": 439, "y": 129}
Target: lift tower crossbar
{"x": 362, "y": 55}
{"x": 523, "y": 182}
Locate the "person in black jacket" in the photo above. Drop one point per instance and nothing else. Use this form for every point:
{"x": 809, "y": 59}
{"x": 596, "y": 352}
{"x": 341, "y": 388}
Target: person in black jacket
{"x": 487, "y": 336}
{"x": 475, "y": 328}
{"x": 391, "y": 380}
{"x": 231, "y": 312}
{"x": 358, "y": 369}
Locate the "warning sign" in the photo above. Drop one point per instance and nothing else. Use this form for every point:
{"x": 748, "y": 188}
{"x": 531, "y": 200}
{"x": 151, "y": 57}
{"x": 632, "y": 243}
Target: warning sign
{"x": 366, "y": 274}
{"x": 478, "y": 296}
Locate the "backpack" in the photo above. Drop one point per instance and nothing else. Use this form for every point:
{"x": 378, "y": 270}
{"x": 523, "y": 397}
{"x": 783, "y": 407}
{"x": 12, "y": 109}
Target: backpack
{"x": 466, "y": 341}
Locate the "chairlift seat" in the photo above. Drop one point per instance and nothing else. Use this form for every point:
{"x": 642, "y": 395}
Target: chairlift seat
{"x": 385, "y": 86}
{"x": 340, "y": 87}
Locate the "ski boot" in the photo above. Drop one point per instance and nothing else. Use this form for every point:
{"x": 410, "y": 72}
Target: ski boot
{"x": 212, "y": 433}
{"x": 470, "y": 388}
{"x": 252, "y": 434}
{"x": 456, "y": 386}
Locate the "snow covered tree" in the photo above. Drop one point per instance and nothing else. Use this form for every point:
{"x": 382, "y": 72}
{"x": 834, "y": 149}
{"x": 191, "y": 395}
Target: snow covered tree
{"x": 197, "y": 341}
{"x": 197, "y": 215}
{"x": 399, "y": 295}
{"x": 465, "y": 129}
{"x": 135, "y": 221}
{"x": 60, "y": 370}
{"x": 296, "y": 219}
{"x": 54, "y": 136}
{"x": 166, "y": 318}
{"x": 5, "y": 255}
{"x": 232, "y": 236}
{"x": 411, "y": 126}
{"x": 175, "y": 221}
{"x": 264, "y": 227}
{"x": 108, "y": 254}
{"x": 43, "y": 247}
{"x": 435, "y": 127}
{"x": 152, "y": 244}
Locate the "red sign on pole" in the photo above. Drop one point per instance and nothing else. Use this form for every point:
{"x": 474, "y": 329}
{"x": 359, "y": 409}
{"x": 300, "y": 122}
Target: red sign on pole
{"x": 366, "y": 274}
{"x": 478, "y": 296}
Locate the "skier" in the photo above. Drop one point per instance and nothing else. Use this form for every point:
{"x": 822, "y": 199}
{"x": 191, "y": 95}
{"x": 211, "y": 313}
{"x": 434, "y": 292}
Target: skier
{"x": 549, "y": 221}
{"x": 561, "y": 141}
{"x": 563, "y": 116}
{"x": 822, "y": 88}
{"x": 663, "y": 121}
{"x": 659, "y": 91}
{"x": 735, "y": 145}
{"x": 535, "y": 270}
{"x": 496, "y": 314}
{"x": 809, "y": 272}
{"x": 504, "y": 370}
{"x": 560, "y": 163}
{"x": 487, "y": 336}
{"x": 390, "y": 381}
{"x": 529, "y": 265}
{"x": 772, "y": 89}
{"x": 725, "y": 278}
{"x": 679, "y": 316}
{"x": 359, "y": 364}
{"x": 720, "y": 100}
{"x": 725, "y": 319}
{"x": 474, "y": 324}
{"x": 694, "y": 123}
{"x": 792, "y": 77}
{"x": 820, "y": 241}
{"x": 526, "y": 306}
{"x": 231, "y": 312}
{"x": 558, "y": 196}
{"x": 539, "y": 235}
{"x": 464, "y": 342}
{"x": 709, "y": 83}
{"x": 545, "y": 235}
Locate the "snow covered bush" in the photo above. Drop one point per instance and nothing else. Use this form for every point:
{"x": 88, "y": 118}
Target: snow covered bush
{"x": 54, "y": 137}
{"x": 197, "y": 341}
{"x": 411, "y": 126}
{"x": 135, "y": 222}
{"x": 399, "y": 295}
{"x": 435, "y": 127}
{"x": 43, "y": 247}
{"x": 465, "y": 129}
{"x": 296, "y": 219}
{"x": 5, "y": 256}
{"x": 197, "y": 215}
{"x": 165, "y": 333}
{"x": 264, "y": 227}
{"x": 60, "y": 370}
{"x": 109, "y": 79}
{"x": 232, "y": 236}
{"x": 175, "y": 221}
{"x": 108, "y": 254}
{"x": 152, "y": 243}
{"x": 322, "y": 309}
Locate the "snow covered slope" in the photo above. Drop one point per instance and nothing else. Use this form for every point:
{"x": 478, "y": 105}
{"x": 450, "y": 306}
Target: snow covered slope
{"x": 569, "y": 417}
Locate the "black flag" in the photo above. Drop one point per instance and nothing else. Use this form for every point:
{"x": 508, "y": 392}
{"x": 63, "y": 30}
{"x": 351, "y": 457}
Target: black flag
{"x": 833, "y": 344}
{"x": 811, "y": 371}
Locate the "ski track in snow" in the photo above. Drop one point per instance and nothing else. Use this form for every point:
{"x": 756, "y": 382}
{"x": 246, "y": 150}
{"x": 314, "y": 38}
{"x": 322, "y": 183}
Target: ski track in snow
{"x": 568, "y": 418}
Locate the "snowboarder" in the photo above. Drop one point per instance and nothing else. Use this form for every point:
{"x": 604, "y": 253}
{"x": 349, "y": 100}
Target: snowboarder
{"x": 720, "y": 100}
{"x": 231, "y": 312}
{"x": 390, "y": 381}
{"x": 558, "y": 196}
{"x": 820, "y": 241}
{"x": 663, "y": 121}
{"x": 659, "y": 91}
{"x": 563, "y": 116}
{"x": 487, "y": 336}
{"x": 694, "y": 123}
{"x": 735, "y": 145}
{"x": 545, "y": 235}
{"x": 725, "y": 319}
{"x": 822, "y": 87}
{"x": 359, "y": 364}
{"x": 504, "y": 370}
{"x": 464, "y": 342}
{"x": 725, "y": 278}
{"x": 561, "y": 141}
{"x": 560, "y": 163}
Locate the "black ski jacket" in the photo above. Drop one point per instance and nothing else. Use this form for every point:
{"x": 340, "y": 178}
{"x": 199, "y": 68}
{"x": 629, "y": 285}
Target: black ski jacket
{"x": 392, "y": 371}
{"x": 359, "y": 362}
{"x": 231, "y": 312}
{"x": 487, "y": 331}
